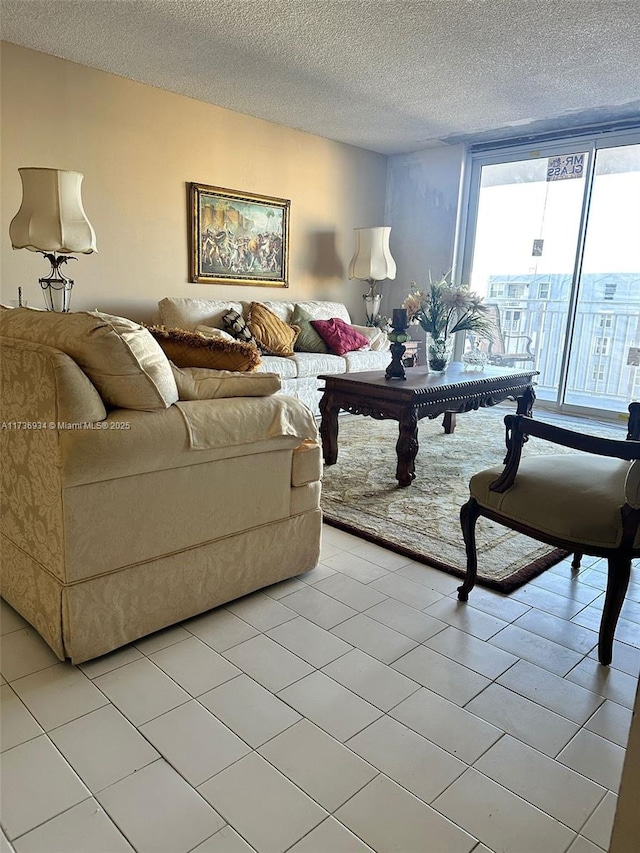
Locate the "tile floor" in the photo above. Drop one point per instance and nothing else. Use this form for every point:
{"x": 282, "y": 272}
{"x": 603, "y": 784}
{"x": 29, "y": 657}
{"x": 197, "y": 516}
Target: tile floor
{"x": 358, "y": 707}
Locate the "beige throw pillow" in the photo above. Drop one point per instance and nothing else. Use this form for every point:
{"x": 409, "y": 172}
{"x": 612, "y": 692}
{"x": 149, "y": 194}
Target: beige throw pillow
{"x": 378, "y": 339}
{"x": 211, "y": 332}
{"x": 200, "y": 383}
{"x": 120, "y": 357}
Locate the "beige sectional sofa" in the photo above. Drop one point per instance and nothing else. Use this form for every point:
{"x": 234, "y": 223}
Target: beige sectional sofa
{"x": 119, "y": 520}
{"x": 299, "y": 372}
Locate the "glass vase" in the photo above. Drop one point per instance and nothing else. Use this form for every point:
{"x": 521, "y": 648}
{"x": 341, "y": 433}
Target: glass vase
{"x": 439, "y": 352}
{"x": 474, "y": 358}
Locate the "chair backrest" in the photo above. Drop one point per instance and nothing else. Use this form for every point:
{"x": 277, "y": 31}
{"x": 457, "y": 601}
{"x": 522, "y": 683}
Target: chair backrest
{"x": 495, "y": 345}
{"x": 506, "y": 348}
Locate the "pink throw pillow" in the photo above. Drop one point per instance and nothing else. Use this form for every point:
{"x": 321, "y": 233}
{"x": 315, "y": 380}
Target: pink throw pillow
{"x": 339, "y": 336}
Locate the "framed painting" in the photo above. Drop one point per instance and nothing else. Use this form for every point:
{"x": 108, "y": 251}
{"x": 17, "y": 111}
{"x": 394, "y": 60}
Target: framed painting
{"x": 238, "y": 237}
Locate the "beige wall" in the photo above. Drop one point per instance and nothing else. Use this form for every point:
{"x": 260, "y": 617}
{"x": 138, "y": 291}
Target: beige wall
{"x": 422, "y": 206}
{"x": 138, "y": 147}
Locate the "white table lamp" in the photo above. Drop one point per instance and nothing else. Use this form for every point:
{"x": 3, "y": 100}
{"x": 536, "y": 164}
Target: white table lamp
{"x": 372, "y": 262}
{"x": 52, "y": 220}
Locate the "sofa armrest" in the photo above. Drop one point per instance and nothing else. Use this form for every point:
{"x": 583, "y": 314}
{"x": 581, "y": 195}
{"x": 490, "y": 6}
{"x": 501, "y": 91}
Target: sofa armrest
{"x": 27, "y": 368}
{"x": 306, "y": 465}
{"x": 42, "y": 390}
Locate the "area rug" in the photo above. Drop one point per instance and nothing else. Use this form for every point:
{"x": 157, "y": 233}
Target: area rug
{"x": 361, "y": 495}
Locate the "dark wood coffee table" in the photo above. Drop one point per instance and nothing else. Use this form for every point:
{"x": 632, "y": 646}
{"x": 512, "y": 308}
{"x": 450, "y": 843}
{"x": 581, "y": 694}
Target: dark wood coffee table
{"x": 420, "y": 395}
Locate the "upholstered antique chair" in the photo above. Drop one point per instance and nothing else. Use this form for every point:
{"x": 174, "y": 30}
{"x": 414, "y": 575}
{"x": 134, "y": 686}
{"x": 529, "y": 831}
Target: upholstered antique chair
{"x": 587, "y": 504}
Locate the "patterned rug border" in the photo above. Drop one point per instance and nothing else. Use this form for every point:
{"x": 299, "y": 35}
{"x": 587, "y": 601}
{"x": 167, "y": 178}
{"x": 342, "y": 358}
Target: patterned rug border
{"x": 508, "y": 584}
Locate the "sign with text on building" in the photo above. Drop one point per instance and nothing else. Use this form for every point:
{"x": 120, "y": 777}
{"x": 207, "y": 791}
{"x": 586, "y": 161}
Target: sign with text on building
{"x": 565, "y": 167}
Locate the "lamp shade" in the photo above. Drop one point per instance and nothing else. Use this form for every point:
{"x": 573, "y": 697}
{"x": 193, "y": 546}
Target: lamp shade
{"x": 51, "y": 217}
{"x": 372, "y": 258}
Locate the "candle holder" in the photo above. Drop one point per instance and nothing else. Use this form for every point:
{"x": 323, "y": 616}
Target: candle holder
{"x": 398, "y": 337}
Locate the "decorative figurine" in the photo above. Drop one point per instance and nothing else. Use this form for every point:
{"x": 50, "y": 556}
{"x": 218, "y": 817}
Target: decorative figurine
{"x": 398, "y": 337}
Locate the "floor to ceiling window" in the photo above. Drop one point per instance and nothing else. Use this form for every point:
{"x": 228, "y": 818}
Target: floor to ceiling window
{"x": 553, "y": 244}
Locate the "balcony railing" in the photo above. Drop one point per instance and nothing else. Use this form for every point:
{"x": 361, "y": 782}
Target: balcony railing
{"x": 599, "y": 373}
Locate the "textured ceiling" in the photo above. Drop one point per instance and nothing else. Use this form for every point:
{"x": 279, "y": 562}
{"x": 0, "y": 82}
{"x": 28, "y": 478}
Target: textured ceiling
{"x": 387, "y": 75}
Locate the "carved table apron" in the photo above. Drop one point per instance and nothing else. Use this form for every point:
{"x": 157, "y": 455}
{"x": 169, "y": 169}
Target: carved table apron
{"x": 421, "y": 395}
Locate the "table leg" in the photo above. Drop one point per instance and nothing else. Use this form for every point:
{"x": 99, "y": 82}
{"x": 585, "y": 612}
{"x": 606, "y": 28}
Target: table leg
{"x": 524, "y": 403}
{"x": 329, "y": 429}
{"x": 407, "y": 448}
{"x": 449, "y": 422}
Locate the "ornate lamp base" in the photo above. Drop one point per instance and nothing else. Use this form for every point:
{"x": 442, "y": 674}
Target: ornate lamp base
{"x": 56, "y": 287}
{"x": 372, "y": 304}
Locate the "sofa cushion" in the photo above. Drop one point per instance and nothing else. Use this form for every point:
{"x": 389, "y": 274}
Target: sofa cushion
{"x": 286, "y": 368}
{"x": 148, "y": 444}
{"x": 274, "y": 336}
{"x": 360, "y": 360}
{"x": 187, "y": 312}
{"x": 220, "y": 423}
{"x": 324, "y": 310}
{"x": 308, "y": 339}
{"x": 120, "y": 357}
{"x": 339, "y": 336}
{"x": 191, "y": 349}
{"x": 315, "y": 363}
{"x": 201, "y": 383}
{"x": 281, "y": 309}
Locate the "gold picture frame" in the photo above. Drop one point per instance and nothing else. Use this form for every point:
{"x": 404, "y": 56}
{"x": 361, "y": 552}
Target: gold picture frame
{"x": 238, "y": 237}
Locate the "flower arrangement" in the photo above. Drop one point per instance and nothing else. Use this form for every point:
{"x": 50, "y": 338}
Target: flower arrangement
{"x": 445, "y": 308}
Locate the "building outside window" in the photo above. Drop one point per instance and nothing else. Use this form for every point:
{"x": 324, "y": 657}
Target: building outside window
{"x": 512, "y": 321}
{"x": 516, "y": 290}
{"x": 598, "y": 373}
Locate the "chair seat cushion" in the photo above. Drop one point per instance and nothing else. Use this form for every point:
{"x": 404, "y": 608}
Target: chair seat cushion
{"x": 573, "y": 497}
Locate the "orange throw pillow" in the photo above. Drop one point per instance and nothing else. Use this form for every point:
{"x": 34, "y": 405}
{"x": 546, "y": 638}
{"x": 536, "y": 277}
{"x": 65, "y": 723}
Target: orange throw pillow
{"x": 191, "y": 349}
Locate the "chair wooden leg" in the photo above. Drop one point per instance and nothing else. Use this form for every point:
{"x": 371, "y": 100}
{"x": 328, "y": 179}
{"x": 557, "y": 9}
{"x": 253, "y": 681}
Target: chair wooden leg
{"x": 577, "y": 557}
{"x": 619, "y": 571}
{"x": 468, "y": 517}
